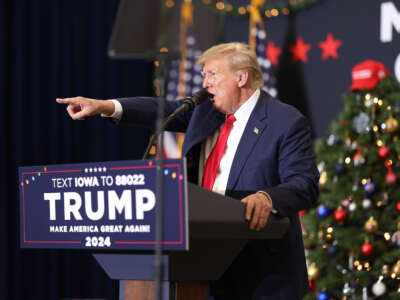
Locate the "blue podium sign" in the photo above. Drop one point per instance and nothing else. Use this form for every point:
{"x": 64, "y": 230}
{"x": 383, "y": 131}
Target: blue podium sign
{"x": 106, "y": 205}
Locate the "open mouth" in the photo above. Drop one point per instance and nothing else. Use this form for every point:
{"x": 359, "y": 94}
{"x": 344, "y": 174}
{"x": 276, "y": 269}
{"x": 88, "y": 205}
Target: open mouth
{"x": 212, "y": 98}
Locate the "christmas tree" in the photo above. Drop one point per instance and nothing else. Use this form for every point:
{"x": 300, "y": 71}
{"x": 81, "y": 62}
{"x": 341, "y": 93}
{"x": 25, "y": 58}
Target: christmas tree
{"x": 353, "y": 237}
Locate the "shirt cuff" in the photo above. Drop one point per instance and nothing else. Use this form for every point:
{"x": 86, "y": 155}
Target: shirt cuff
{"x": 117, "y": 114}
{"x": 273, "y": 210}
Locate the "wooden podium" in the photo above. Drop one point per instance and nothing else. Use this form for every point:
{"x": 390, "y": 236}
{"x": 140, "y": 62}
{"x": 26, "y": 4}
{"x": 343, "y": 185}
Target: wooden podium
{"x": 217, "y": 233}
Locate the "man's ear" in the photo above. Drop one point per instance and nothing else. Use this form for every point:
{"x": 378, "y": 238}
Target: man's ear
{"x": 242, "y": 78}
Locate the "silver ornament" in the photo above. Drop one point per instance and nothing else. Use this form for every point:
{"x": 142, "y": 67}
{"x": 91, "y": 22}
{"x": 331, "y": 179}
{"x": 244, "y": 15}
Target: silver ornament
{"x": 361, "y": 123}
{"x": 366, "y": 203}
{"x": 396, "y": 238}
{"x": 364, "y": 293}
{"x": 379, "y": 288}
{"x": 368, "y": 102}
{"x": 332, "y": 139}
{"x": 321, "y": 166}
{"x": 346, "y": 289}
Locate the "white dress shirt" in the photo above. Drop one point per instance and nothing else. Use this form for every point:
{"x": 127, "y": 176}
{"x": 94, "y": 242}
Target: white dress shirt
{"x": 242, "y": 115}
{"x": 117, "y": 114}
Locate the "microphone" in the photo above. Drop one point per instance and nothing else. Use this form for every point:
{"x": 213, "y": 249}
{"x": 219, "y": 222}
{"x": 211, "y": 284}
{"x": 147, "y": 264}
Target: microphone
{"x": 188, "y": 103}
{"x": 197, "y": 98}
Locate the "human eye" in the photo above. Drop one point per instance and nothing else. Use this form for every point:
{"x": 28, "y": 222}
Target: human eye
{"x": 211, "y": 74}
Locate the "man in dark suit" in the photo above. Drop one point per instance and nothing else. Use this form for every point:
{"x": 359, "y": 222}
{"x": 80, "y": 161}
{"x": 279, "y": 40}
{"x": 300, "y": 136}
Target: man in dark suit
{"x": 245, "y": 144}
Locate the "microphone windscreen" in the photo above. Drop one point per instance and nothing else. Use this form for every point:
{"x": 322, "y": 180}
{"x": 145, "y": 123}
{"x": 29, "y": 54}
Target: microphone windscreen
{"x": 200, "y": 96}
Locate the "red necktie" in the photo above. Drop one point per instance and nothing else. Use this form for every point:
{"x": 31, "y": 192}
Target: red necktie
{"x": 213, "y": 160}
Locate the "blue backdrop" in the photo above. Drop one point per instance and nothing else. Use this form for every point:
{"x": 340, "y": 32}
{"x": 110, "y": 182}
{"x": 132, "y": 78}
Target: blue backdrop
{"x": 52, "y": 49}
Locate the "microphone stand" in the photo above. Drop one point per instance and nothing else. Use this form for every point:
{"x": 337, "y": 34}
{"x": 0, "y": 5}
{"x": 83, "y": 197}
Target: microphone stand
{"x": 159, "y": 232}
{"x": 188, "y": 104}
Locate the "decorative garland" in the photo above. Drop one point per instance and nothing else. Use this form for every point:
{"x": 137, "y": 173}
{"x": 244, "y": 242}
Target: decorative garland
{"x": 269, "y": 11}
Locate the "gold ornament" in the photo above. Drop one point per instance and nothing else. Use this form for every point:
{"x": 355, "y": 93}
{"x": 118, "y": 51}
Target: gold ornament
{"x": 328, "y": 237}
{"x": 371, "y": 226}
{"x": 323, "y": 179}
{"x": 385, "y": 269}
{"x": 358, "y": 159}
{"x": 347, "y": 142}
{"x": 391, "y": 125}
{"x": 320, "y": 234}
{"x": 313, "y": 272}
{"x": 395, "y": 272}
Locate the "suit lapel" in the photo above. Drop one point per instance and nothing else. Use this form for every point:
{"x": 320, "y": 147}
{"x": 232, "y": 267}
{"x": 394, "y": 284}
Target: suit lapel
{"x": 206, "y": 123}
{"x": 254, "y": 129}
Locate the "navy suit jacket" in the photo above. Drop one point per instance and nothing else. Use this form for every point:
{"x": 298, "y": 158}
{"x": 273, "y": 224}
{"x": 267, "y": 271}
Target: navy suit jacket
{"x": 275, "y": 154}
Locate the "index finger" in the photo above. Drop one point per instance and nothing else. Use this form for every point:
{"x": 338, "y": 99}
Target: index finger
{"x": 66, "y": 100}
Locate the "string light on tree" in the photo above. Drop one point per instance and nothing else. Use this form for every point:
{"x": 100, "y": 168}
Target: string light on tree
{"x": 269, "y": 10}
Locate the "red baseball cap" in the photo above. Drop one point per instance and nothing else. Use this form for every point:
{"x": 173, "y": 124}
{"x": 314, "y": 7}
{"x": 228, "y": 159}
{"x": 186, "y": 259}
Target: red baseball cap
{"x": 367, "y": 74}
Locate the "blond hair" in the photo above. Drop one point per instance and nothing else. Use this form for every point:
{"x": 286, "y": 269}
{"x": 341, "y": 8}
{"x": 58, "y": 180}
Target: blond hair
{"x": 240, "y": 57}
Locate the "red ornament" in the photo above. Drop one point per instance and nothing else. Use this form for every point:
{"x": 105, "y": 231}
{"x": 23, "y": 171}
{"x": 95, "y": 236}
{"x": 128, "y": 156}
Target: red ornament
{"x": 398, "y": 206}
{"x": 340, "y": 215}
{"x": 312, "y": 285}
{"x": 311, "y": 247}
{"x": 367, "y": 249}
{"x": 390, "y": 177}
{"x": 383, "y": 152}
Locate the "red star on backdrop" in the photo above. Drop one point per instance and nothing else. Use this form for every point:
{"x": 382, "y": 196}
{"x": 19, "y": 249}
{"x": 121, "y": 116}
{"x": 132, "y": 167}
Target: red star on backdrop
{"x": 299, "y": 50}
{"x": 273, "y": 52}
{"x": 329, "y": 47}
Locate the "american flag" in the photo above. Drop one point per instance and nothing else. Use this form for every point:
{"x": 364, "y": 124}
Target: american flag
{"x": 192, "y": 79}
{"x": 192, "y": 82}
{"x": 264, "y": 62}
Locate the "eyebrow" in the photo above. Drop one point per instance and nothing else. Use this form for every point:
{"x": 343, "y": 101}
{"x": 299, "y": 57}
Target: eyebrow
{"x": 209, "y": 71}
